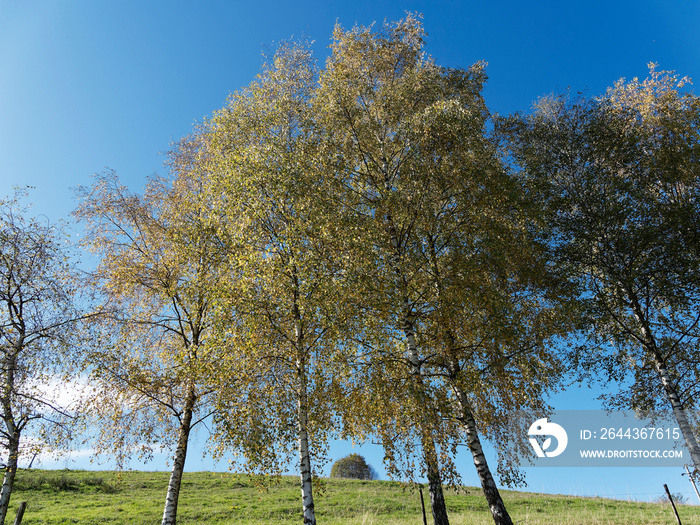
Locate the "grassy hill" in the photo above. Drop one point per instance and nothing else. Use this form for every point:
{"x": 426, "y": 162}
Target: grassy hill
{"x": 135, "y": 498}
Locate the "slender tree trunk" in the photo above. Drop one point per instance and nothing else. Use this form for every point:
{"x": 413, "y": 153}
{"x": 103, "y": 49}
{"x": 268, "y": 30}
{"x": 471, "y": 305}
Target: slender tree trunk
{"x": 9, "y": 479}
{"x": 488, "y": 485}
{"x": 678, "y": 411}
{"x": 307, "y": 497}
{"x": 437, "y": 499}
{"x": 170, "y": 511}
{"x": 667, "y": 382}
{"x": 13, "y": 429}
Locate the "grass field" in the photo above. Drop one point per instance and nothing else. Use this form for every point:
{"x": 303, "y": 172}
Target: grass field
{"x": 133, "y": 498}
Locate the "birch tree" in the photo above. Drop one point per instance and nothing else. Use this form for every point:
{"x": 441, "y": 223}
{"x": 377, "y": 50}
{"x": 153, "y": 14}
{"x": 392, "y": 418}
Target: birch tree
{"x": 619, "y": 177}
{"x": 39, "y": 312}
{"x": 159, "y": 264}
{"x": 494, "y": 324}
{"x": 373, "y": 84}
{"x": 439, "y": 246}
{"x": 287, "y": 290}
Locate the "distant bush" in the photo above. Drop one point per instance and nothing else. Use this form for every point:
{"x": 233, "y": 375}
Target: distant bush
{"x": 353, "y": 466}
{"x": 57, "y": 481}
{"x": 678, "y": 499}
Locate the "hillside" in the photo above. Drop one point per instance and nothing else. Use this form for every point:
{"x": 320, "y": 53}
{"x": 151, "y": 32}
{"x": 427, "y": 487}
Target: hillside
{"x": 135, "y": 498}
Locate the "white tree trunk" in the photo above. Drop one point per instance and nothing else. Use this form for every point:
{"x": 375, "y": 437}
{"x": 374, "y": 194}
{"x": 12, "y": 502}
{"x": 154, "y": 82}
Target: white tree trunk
{"x": 307, "y": 497}
{"x": 437, "y": 499}
{"x": 488, "y": 485}
{"x": 666, "y": 381}
{"x": 9, "y": 479}
{"x": 170, "y": 511}
{"x": 13, "y": 430}
{"x": 493, "y": 497}
{"x": 679, "y": 412}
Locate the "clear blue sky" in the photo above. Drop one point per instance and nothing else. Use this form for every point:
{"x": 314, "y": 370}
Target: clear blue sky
{"x": 88, "y": 85}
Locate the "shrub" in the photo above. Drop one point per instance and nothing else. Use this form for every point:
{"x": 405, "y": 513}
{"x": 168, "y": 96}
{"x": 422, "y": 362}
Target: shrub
{"x": 55, "y": 481}
{"x": 678, "y": 499}
{"x": 353, "y": 466}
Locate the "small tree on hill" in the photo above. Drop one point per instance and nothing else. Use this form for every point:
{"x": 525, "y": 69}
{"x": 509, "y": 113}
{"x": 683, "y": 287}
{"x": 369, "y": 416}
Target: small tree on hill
{"x": 159, "y": 264}
{"x": 353, "y": 466}
{"x": 38, "y": 317}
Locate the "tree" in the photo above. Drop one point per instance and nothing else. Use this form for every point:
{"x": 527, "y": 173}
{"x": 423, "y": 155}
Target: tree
{"x": 287, "y": 287}
{"x": 447, "y": 265}
{"x": 374, "y": 87}
{"x": 160, "y": 264}
{"x": 353, "y": 466}
{"x": 39, "y": 305}
{"x": 618, "y": 176}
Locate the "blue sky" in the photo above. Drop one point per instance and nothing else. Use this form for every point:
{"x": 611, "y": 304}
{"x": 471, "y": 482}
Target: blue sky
{"x": 88, "y": 85}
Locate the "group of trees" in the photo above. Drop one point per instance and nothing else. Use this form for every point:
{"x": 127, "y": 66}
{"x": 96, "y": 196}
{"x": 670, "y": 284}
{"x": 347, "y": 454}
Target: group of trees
{"x": 361, "y": 250}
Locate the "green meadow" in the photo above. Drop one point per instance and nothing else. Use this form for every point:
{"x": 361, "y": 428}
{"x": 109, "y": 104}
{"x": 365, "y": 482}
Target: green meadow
{"x": 133, "y": 498}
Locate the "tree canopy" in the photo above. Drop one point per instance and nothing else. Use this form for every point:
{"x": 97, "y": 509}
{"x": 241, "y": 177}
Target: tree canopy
{"x": 160, "y": 265}
{"x": 361, "y": 250}
{"x": 618, "y": 177}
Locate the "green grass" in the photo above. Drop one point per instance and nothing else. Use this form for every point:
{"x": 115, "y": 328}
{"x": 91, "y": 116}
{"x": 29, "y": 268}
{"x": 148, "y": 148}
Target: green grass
{"x": 135, "y": 498}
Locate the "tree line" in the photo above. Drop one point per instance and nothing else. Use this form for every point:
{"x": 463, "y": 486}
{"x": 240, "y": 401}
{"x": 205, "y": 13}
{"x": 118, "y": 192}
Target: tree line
{"x": 362, "y": 249}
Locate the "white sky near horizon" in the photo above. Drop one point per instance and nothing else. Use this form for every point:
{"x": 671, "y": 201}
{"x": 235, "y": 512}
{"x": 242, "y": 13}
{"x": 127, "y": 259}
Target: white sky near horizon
{"x": 86, "y": 86}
